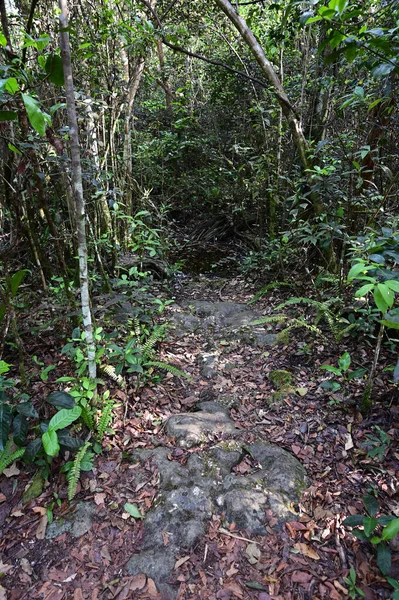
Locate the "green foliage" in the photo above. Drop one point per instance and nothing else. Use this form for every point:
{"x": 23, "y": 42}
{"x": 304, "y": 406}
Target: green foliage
{"x": 266, "y": 288}
{"x": 7, "y": 456}
{"x": 375, "y": 530}
{"x": 106, "y": 416}
{"x": 74, "y": 473}
{"x": 342, "y": 371}
{"x": 350, "y": 581}
{"x": 377, "y": 444}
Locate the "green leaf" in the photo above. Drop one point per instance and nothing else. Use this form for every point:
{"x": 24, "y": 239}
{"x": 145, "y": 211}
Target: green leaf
{"x": 5, "y": 424}
{"x": 371, "y": 504}
{"x": 369, "y": 524}
{"x": 379, "y": 300}
{"x": 27, "y": 409}
{"x": 387, "y": 294}
{"x": 357, "y": 269}
{"x": 384, "y": 558}
{"x": 360, "y": 535}
{"x": 3, "y": 40}
{"x": 390, "y": 530}
{"x": 69, "y": 442}
{"x": 54, "y": 69}
{"x": 50, "y": 442}
{"x": 377, "y": 258}
{"x": 382, "y": 70}
{"x": 11, "y": 85}
{"x": 38, "y": 119}
{"x": 14, "y": 149}
{"x": 331, "y": 369}
{"x": 32, "y": 449}
{"x": 365, "y": 289}
{"x": 61, "y": 399}
{"x": 344, "y": 361}
{"x": 16, "y": 281}
{"x": 353, "y": 521}
{"x": 63, "y": 418}
{"x": 8, "y": 115}
{"x": 133, "y": 510}
{"x": 20, "y": 428}
{"x": 331, "y": 386}
{"x": 392, "y": 284}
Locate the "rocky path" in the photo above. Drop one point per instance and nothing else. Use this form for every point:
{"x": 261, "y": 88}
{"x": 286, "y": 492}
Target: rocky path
{"x": 239, "y": 478}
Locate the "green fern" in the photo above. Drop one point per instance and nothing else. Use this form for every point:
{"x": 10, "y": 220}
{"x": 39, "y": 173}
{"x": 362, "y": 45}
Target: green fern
{"x": 269, "y": 319}
{"x": 87, "y": 417}
{"x": 323, "y": 309}
{"x": 110, "y": 371}
{"x": 136, "y": 327}
{"x": 157, "y": 334}
{"x": 105, "y": 419}
{"x": 7, "y": 457}
{"x": 167, "y": 367}
{"x": 270, "y": 286}
{"x": 74, "y": 473}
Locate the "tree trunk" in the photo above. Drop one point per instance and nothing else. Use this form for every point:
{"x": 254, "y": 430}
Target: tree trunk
{"x": 77, "y": 187}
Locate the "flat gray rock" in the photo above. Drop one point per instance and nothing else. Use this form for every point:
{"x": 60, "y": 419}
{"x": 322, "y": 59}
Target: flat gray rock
{"x": 78, "y": 524}
{"x": 226, "y": 319}
{"x": 192, "y": 429}
{"x": 190, "y": 494}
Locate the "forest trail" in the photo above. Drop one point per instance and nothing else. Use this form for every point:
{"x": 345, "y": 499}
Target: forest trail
{"x": 225, "y": 515}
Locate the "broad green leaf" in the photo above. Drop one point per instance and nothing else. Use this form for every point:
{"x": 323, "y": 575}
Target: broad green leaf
{"x": 133, "y": 510}
{"x": 61, "y": 399}
{"x": 371, "y": 504}
{"x": 385, "y": 519}
{"x": 353, "y": 521}
{"x": 54, "y": 69}
{"x": 384, "y": 558}
{"x": 344, "y": 361}
{"x": 69, "y": 442}
{"x": 379, "y": 300}
{"x": 377, "y": 258}
{"x": 360, "y": 535}
{"x": 20, "y": 428}
{"x": 32, "y": 449}
{"x": 14, "y": 149}
{"x": 387, "y": 294}
{"x": 27, "y": 409}
{"x": 50, "y": 442}
{"x": 5, "y": 423}
{"x": 16, "y": 281}
{"x": 369, "y": 524}
{"x": 11, "y": 85}
{"x": 357, "y": 269}
{"x": 63, "y": 418}
{"x": 8, "y": 115}
{"x": 3, "y": 40}
{"x": 331, "y": 369}
{"x": 4, "y": 367}
{"x": 382, "y": 70}
{"x": 332, "y": 386}
{"x": 38, "y": 119}
{"x": 390, "y": 530}
{"x": 392, "y": 284}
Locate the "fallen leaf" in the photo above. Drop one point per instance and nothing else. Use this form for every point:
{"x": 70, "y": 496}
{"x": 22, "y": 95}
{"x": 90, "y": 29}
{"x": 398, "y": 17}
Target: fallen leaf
{"x": 26, "y": 566}
{"x": 348, "y": 441}
{"x": 151, "y": 588}
{"x": 138, "y": 582}
{"x": 17, "y": 513}
{"x": 301, "y": 577}
{"x": 41, "y": 510}
{"x": 99, "y": 498}
{"x": 306, "y": 550}
{"x": 302, "y": 391}
{"x": 77, "y": 594}
{"x": 133, "y": 510}
{"x": 181, "y": 562}
{"x": 253, "y": 553}
{"x": 11, "y": 471}
{"x": 41, "y": 528}
{"x": 5, "y": 568}
{"x": 165, "y": 538}
{"x": 3, "y": 593}
{"x": 232, "y": 571}
{"x": 2, "y": 498}
{"x": 235, "y": 589}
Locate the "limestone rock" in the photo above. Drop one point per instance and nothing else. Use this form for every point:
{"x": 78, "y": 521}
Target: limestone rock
{"x": 192, "y": 429}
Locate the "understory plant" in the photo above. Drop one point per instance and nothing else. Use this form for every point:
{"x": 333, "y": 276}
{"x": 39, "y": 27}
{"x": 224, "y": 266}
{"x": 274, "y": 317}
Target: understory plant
{"x": 377, "y": 531}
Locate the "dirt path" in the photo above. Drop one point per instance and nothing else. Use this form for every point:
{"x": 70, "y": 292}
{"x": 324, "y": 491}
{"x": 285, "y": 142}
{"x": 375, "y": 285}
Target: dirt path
{"x": 307, "y": 558}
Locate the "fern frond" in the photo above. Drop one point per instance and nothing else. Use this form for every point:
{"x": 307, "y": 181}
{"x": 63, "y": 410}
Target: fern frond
{"x": 157, "y": 334}
{"x": 136, "y": 327}
{"x": 110, "y": 371}
{"x": 269, "y": 319}
{"x": 105, "y": 419}
{"x": 270, "y": 286}
{"x": 297, "y": 323}
{"x": 166, "y": 367}
{"x": 291, "y": 301}
{"x": 343, "y": 332}
{"x": 87, "y": 417}
{"x": 7, "y": 457}
{"x": 74, "y": 473}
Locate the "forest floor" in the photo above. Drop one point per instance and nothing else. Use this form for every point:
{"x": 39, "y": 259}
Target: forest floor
{"x": 307, "y": 559}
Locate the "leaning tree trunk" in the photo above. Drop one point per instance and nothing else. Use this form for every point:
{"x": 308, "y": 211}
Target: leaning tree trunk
{"x": 289, "y": 111}
{"x": 76, "y": 176}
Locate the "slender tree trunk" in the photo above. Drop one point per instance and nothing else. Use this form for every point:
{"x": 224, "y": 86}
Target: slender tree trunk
{"x": 77, "y": 187}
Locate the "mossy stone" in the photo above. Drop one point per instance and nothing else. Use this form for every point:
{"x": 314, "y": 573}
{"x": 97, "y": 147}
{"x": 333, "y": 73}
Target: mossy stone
{"x": 281, "y": 379}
